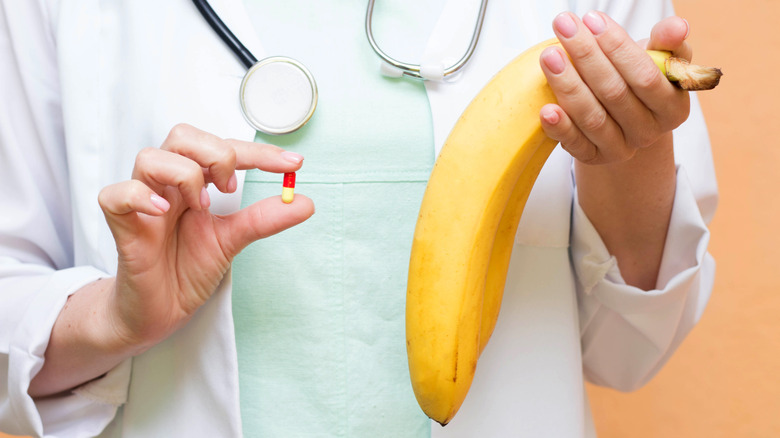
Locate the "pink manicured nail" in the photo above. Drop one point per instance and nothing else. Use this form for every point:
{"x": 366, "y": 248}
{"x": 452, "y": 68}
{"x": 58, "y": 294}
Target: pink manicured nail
{"x": 565, "y": 25}
{"x": 553, "y": 59}
{"x": 161, "y": 203}
{"x": 550, "y": 116}
{"x": 232, "y": 183}
{"x": 205, "y": 201}
{"x": 595, "y": 22}
{"x": 292, "y": 157}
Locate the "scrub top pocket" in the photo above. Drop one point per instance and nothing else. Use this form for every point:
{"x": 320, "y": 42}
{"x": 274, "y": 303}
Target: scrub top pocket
{"x": 323, "y": 348}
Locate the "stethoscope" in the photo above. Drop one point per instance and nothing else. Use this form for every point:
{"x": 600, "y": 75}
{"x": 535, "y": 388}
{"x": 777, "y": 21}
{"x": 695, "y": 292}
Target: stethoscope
{"x": 278, "y": 94}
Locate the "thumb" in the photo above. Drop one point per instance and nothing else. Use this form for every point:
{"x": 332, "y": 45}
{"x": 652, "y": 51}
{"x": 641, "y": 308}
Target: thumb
{"x": 670, "y": 34}
{"x": 262, "y": 219}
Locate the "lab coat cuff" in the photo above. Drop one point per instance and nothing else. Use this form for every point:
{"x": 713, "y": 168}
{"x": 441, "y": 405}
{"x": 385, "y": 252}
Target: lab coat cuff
{"x": 655, "y": 313}
{"x": 96, "y": 400}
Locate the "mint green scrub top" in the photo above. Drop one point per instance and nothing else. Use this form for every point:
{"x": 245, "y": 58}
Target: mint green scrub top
{"x": 319, "y": 308}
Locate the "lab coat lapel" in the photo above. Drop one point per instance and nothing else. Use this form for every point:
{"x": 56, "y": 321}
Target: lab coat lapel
{"x": 197, "y": 365}
{"x": 130, "y": 71}
{"x": 505, "y": 34}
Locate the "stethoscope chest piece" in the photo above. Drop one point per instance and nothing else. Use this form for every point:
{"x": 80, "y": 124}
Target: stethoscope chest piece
{"x": 278, "y": 95}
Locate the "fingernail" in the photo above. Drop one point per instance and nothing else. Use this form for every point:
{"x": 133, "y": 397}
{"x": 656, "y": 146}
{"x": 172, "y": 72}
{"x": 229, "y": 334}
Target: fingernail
{"x": 553, "y": 59}
{"x": 687, "y": 29}
{"x": 232, "y": 183}
{"x": 565, "y": 25}
{"x": 292, "y": 157}
{"x": 595, "y": 22}
{"x": 550, "y": 116}
{"x": 205, "y": 201}
{"x": 161, "y": 203}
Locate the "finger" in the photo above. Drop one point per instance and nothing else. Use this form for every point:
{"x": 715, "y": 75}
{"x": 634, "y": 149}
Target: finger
{"x": 670, "y": 34}
{"x": 261, "y": 219}
{"x": 221, "y": 157}
{"x": 215, "y": 155}
{"x": 581, "y": 46}
{"x": 635, "y": 67}
{"x": 558, "y": 126}
{"x": 158, "y": 168}
{"x": 581, "y": 105}
{"x": 131, "y": 196}
{"x": 122, "y": 203}
{"x": 266, "y": 157}
{"x": 629, "y": 84}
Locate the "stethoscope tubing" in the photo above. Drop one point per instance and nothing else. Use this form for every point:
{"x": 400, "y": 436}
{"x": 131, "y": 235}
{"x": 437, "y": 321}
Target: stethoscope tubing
{"x": 220, "y": 28}
{"x": 252, "y": 92}
{"x": 412, "y": 70}
{"x": 415, "y": 70}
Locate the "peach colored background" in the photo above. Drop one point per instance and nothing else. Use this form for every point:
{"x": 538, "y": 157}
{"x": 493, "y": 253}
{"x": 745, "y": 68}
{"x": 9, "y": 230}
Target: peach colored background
{"x": 723, "y": 381}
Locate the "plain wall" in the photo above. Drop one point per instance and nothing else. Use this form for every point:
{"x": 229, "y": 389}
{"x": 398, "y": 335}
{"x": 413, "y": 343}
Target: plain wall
{"x": 723, "y": 381}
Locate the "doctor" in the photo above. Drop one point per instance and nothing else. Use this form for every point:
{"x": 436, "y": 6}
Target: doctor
{"x": 129, "y": 309}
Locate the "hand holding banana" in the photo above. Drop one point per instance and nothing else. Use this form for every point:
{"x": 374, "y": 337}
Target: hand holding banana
{"x": 611, "y": 99}
{"x": 485, "y": 172}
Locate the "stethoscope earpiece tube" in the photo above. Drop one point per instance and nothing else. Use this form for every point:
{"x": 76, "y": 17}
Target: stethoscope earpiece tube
{"x": 246, "y": 57}
{"x": 396, "y": 68}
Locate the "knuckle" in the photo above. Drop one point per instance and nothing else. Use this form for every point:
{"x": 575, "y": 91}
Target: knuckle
{"x": 616, "y": 92}
{"x": 621, "y": 47}
{"x": 683, "y": 110}
{"x": 644, "y": 139}
{"x": 192, "y": 173}
{"x": 588, "y": 156}
{"x": 568, "y": 87}
{"x": 594, "y": 121}
{"x": 232, "y": 143}
{"x": 581, "y": 149}
{"x": 144, "y": 156}
{"x": 226, "y": 154}
{"x": 612, "y": 155}
{"x": 585, "y": 53}
{"x": 642, "y": 134}
{"x": 180, "y": 131}
{"x": 641, "y": 141}
{"x": 621, "y": 155}
{"x": 136, "y": 193}
{"x": 624, "y": 154}
{"x": 122, "y": 197}
{"x": 649, "y": 78}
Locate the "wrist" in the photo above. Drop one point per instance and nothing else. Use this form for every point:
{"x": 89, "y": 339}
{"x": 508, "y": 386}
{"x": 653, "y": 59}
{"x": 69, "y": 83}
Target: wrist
{"x": 123, "y": 331}
{"x": 629, "y": 204}
{"x": 83, "y": 344}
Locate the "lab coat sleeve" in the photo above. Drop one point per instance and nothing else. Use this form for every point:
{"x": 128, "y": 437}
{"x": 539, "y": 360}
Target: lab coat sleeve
{"x": 36, "y": 238}
{"x": 628, "y": 334}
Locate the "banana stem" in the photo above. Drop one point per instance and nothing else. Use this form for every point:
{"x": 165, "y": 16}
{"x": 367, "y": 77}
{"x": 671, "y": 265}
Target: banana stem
{"x": 685, "y": 75}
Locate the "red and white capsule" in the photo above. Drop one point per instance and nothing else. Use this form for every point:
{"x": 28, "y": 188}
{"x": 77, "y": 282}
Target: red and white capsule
{"x": 288, "y": 187}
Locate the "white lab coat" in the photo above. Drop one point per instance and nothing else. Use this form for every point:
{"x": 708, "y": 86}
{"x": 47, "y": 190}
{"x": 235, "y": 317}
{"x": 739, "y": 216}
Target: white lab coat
{"x": 86, "y": 84}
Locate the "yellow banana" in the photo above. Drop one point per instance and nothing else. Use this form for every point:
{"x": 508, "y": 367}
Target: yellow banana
{"x": 484, "y": 159}
{"x": 466, "y": 229}
{"x": 503, "y": 244}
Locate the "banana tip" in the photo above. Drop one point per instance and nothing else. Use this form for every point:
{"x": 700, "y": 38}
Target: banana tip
{"x": 690, "y": 76}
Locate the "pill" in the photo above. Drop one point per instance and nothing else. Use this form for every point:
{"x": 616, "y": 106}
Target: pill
{"x": 288, "y": 187}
